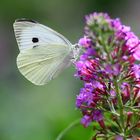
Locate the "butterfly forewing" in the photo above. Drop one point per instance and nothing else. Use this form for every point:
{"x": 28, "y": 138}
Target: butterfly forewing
{"x": 27, "y": 31}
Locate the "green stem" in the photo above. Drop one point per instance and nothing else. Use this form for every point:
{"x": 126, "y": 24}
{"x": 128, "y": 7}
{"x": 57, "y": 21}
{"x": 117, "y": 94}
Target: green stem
{"x": 62, "y": 133}
{"x": 112, "y": 109}
{"x": 121, "y": 108}
{"x": 107, "y": 51}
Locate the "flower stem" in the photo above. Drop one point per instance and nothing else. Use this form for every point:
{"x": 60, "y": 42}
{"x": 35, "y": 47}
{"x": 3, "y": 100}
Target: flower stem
{"x": 121, "y": 108}
{"x": 62, "y": 133}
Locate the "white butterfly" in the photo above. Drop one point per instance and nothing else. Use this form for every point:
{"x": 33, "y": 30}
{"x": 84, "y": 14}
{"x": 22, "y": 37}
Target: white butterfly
{"x": 44, "y": 53}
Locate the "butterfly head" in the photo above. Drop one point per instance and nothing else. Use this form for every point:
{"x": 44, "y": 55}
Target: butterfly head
{"x": 76, "y": 51}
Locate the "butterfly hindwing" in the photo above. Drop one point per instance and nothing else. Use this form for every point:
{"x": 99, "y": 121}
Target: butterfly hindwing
{"x": 41, "y": 64}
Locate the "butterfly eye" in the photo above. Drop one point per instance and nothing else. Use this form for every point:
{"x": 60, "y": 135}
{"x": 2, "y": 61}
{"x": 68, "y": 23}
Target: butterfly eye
{"x": 35, "y": 40}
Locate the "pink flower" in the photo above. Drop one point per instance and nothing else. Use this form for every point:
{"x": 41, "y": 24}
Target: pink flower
{"x": 132, "y": 42}
{"x": 109, "y": 70}
{"x": 116, "y": 23}
{"x": 97, "y": 115}
{"x": 85, "y": 42}
{"x": 136, "y": 53}
{"x": 136, "y": 71}
{"x": 125, "y": 29}
{"x": 86, "y": 120}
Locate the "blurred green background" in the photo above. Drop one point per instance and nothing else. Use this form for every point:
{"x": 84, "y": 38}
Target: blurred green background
{"x": 29, "y": 112}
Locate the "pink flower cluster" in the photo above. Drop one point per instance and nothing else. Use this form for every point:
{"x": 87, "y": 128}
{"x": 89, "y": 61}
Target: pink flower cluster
{"x": 111, "y": 53}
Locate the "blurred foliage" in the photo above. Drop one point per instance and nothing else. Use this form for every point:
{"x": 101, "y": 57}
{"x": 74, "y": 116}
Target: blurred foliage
{"x": 29, "y": 112}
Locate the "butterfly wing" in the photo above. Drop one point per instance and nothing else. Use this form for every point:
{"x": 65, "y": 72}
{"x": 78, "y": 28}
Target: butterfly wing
{"x": 27, "y": 30}
{"x": 41, "y": 64}
{"x": 44, "y": 53}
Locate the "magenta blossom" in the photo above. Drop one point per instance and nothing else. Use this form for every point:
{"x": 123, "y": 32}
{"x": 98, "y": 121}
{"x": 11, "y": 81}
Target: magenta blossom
{"x": 136, "y": 53}
{"x": 85, "y": 42}
{"x": 110, "y": 72}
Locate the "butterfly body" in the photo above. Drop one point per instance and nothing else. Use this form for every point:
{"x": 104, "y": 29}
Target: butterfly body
{"x": 44, "y": 53}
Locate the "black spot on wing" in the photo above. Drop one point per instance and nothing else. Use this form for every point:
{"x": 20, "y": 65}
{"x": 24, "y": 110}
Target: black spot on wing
{"x": 24, "y": 19}
{"x": 35, "y": 40}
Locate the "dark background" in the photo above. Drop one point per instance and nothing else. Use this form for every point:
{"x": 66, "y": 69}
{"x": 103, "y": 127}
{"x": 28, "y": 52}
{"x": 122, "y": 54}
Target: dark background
{"x": 29, "y": 112}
